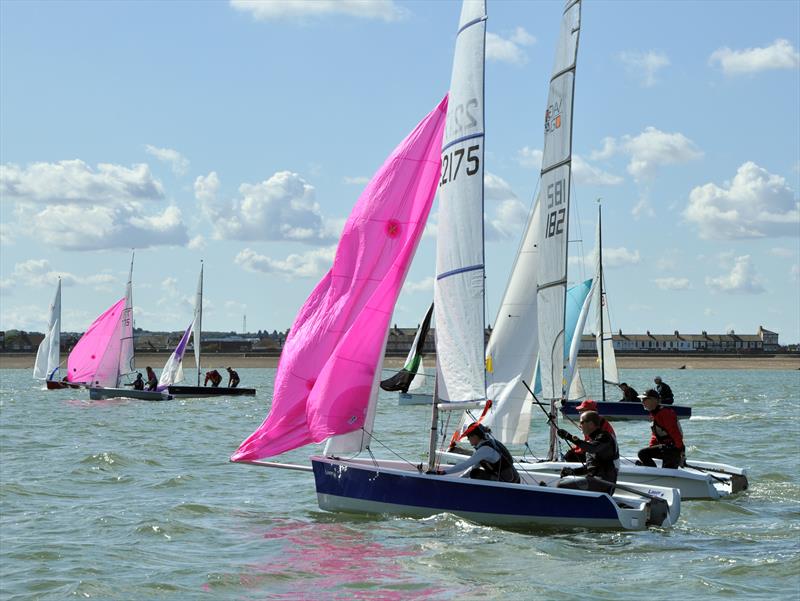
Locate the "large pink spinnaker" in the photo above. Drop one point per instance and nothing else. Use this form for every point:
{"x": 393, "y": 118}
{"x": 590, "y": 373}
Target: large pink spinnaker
{"x": 86, "y": 361}
{"x": 327, "y": 370}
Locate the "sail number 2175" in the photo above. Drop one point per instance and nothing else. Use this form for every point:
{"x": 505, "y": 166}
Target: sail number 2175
{"x": 554, "y": 224}
{"x": 451, "y": 163}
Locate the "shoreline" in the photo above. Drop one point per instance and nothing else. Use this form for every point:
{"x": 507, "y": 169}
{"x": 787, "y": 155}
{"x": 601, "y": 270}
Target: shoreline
{"x": 220, "y": 361}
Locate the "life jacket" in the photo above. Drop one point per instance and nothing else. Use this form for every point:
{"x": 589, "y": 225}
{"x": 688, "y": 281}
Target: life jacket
{"x": 605, "y": 467}
{"x": 503, "y": 469}
{"x": 661, "y": 435}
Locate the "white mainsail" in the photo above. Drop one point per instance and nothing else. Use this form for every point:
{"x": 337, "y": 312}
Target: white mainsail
{"x": 603, "y": 337}
{"x": 126, "y": 351}
{"x": 198, "y": 321}
{"x": 554, "y": 195}
{"x": 48, "y": 354}
{"x": 459, "y": 284}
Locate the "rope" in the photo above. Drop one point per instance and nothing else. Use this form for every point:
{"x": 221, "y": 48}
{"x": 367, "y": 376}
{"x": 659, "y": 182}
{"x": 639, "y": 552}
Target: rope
{"x": 415, "y": 466}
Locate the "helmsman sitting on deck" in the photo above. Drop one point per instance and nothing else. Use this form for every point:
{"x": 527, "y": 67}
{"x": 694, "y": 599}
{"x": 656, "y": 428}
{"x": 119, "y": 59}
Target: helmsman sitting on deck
{"x": 602, "y": 457}
{"x": 213, "y": 377}
{"x": 491, "y": 458}
{"x": 666, "y": 442}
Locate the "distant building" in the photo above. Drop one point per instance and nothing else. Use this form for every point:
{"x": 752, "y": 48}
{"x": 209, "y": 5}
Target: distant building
{"x": 762, "y": 341}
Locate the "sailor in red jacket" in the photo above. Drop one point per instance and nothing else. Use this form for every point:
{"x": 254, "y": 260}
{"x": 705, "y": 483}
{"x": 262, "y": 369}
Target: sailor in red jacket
{"x": 577, "y": 454}
{"x": 666, "y": 442}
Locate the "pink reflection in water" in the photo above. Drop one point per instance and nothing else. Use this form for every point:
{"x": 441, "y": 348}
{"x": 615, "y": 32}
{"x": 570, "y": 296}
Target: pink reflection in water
{"x": 330, "y": 561}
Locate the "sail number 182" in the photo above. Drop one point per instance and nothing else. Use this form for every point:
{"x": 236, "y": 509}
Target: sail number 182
{"x": 554, "y": 224}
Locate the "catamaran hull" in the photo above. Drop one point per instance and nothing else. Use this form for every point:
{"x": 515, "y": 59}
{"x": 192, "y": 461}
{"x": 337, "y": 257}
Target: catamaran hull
{"x": 97, "y": 394}
{"x": 414, "y": 398}
{"x": 622, "y": 411}
{"x": 395, "y": 488}
{"x": 208, "y": 391}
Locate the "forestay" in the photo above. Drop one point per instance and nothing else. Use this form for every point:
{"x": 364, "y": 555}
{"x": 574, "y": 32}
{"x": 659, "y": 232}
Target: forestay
{"x": 459, "y": 284}
{"x": 554, "y": 194}
{"x": 327, "y": 379}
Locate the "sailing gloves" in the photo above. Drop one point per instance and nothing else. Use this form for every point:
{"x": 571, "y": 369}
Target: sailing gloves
{"x": 566, "y": 435}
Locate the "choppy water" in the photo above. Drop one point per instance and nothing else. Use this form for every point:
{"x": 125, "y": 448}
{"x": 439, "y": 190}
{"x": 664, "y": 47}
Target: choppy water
{"x": 136, "y": 500}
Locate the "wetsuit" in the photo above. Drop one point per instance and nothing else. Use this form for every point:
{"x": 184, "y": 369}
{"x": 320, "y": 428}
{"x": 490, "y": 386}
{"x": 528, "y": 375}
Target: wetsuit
{"x": 233, "y": 380}
{"x": 577, "y": 454}
{"x": 665, "y": 394}
{"x": 666, "y": 442}
{"x": 629, "y": 395}
{"x": 602, "y": 461}
{"x": 492, "y": 461}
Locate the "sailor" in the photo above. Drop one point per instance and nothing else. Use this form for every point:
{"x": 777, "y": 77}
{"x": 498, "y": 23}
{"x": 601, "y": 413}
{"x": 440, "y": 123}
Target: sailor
{"x": 602, "y": 457}
{"x": 577, "y": 454}
{"x": 213, "y": 377}
{"x": 152, "y": 380}
{"x": 491, "y": 458}
{"x": 664, "y": 391}
{"x": 138, "y": 383}
{"x": 629, "y": 395}
{"x": 666, "y": 442}
{"x": 233, "y": 378}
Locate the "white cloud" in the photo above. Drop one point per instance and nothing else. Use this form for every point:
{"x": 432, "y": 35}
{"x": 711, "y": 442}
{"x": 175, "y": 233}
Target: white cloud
{"x": 672, "y": 283}
{"x": 794, "y": 272}
{"x": 496, "y": 188}
{"x": 643, "y": 208}
{"x": 38, "y": 273}
{"x": 509, "y": 219}
{"x": 310, "y": 264}
{"x": 645, "y": 64}
{"x": 530, "y": 157}
{"x": 618, "y": 257}
{"x": 382, "y": 10}
{"x": 755, "y": 204}
{"x": 508, "y": 50}
{"x": 198, "y": 242}
{"x": 784, "y": 253}
{"x": 742, "y": 279}
{"x": 6, "y": 235}
{"x": 708, "y": 311}
{"x": 75, "y": 227}
{"x": 780, "y": 55}
{"x": 649, "y": 150}
{"x": 76, "y": 182}
{"x": 359, "y": 180}
{"x": 280, "y": 208}
{"x": 179, "y": 163}
{"x": 424, "y": 285}
{"x": 206, "y": 187}
{"x": 588, "y": 174}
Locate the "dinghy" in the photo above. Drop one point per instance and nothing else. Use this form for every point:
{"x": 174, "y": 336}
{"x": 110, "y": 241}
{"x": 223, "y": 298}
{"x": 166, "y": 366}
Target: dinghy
{"x": 48, "y": 355}
{"x": 409, "y": 380}
{"x": 178, "y": 391}
{"x": 104, "y": 355}
{"x": 327, "y": 385}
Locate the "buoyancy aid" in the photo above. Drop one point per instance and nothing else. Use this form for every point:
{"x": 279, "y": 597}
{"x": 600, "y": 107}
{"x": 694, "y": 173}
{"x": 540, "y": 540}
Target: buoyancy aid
{"x": 502, "y": 469}
{"x": 666, "y": 428}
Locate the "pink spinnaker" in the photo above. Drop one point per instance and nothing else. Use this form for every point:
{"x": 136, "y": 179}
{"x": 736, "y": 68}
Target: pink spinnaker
{"x": 86, "y": 361}
{"x": 327, "y": 368}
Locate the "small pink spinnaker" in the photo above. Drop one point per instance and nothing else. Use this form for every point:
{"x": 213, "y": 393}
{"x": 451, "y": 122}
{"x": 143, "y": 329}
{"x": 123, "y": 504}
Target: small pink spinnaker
{"x": 86, "y": 361}
{"x": 326, "y": 373}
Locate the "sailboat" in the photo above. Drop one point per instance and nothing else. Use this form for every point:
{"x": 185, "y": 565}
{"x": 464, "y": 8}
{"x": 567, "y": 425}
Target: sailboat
{"x": 409, "y": 380}
{"x": 48, "y": 355}
{"x": 196, "y": 326}
{"x": 377, "y": 486}
{"x": 611, "y": 410}
{"x": 105, "y": 353}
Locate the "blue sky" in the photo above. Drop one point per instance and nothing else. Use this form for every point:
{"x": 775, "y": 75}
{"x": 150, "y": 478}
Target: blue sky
{"x": 243, "y": 132}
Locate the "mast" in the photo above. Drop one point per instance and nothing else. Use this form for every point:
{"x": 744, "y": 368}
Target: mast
{"x": 126, "y": 348}
{"x": 602, "y": 295}
{"x": 198, "y": 323}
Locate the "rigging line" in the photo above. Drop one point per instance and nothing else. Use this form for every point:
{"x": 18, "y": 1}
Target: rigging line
{"x": 387, "y": 448}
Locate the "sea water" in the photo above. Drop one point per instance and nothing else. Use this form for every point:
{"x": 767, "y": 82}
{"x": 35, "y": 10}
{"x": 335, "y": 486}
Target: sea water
{"x": 125, "y": 499}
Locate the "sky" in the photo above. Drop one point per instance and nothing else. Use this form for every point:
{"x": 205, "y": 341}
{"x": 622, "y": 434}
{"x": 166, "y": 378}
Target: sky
{"x": 241, "y": 133}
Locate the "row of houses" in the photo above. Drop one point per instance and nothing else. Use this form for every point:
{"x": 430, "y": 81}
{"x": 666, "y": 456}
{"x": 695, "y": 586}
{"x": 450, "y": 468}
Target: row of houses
{"x": 400, "y": 340}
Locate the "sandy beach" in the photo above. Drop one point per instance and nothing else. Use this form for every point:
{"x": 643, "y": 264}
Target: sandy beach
{"x": 238, "y": 360}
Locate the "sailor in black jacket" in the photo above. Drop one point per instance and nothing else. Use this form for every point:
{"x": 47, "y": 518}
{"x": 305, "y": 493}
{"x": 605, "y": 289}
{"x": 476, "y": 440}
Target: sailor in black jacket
{"x": 602, "y": 457}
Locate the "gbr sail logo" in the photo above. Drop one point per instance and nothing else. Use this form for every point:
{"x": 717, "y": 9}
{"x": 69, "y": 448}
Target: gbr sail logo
{"x": 552, "y": 116}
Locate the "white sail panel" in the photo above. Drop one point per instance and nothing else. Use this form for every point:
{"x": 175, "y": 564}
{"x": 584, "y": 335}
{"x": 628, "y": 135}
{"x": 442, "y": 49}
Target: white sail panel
{"x": 554, "y": 193}
{"x": 581, "y": 293}
{"x": 48, "y": 353}
{"x": 459, "y": 284}
{"x": 514, "y": 344}
{"x": 577, "y": 391}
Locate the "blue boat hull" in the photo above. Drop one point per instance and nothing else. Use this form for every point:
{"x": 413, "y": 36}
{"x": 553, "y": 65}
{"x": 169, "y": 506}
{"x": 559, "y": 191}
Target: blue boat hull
{"x": 621, "y": 411}
{"x": 359, "y": 486}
